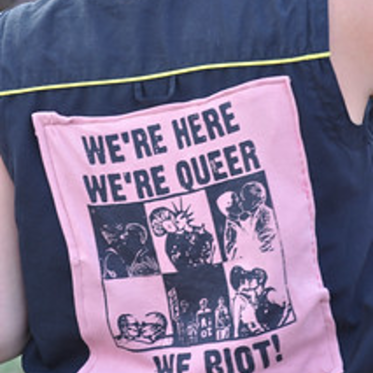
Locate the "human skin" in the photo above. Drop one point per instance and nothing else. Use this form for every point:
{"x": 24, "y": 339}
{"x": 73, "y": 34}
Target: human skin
{"x": 351, "y": 44}
{"x": 6, "y": 4}
{"x": 13, "y": 324}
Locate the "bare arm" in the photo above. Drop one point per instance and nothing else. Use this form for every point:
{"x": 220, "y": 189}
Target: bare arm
{"x": 13, "y": 324}
{"x": 351, "y": 43}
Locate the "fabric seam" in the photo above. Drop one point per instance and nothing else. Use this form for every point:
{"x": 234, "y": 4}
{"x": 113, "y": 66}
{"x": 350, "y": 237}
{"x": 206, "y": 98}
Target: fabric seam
{"x": 307, "y": 188}
{"x": 165, "y": 74}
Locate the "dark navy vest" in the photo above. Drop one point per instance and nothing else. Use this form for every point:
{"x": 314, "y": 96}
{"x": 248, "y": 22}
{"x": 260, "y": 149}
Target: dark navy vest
{"x": 99, "y": 58}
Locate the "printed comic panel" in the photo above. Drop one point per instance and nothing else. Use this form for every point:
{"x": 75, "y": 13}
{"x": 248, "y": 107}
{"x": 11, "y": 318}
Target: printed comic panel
{"x": 124, "y": 242}
{"x": 244, "y": 217}
{"x": 250, "y": 243}
{"x": 136, "y": 305}
{"x": 224, "y": 302}
{"x": 183, "y": 232}
{"x": 199, "y": 305}
{"x": 137, "y": 313}
{"x": 259, "y": 299}
{"x": 200, "y": 267}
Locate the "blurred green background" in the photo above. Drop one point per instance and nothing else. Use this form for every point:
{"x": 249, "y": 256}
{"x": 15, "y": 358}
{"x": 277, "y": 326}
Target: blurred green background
{"x": 13, "y": 366}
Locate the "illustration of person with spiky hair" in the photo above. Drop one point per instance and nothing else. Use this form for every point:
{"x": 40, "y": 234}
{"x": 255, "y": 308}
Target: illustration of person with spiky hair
{"x": 187, "y": 246}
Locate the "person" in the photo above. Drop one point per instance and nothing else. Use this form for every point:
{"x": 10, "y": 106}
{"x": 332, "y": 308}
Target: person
{"x": 204, "y": 316}
{"x": 228, "y": 204}
{"x": 222, "y": 320}
{"x": 93, "y": 58}
{"x": 187, "y": 327}
{"x": 6, "y": 4}
{"x": 247, "y": 215}
{"x": 253, "y": 299}
{"x": 147, "y": 332}
{"x": 244, "y": 302}
{"x": 257, "y": 218}
{"x": 127, "y": 254}
{"x": 186, "y": 245}
{"x": 129, "y": 328}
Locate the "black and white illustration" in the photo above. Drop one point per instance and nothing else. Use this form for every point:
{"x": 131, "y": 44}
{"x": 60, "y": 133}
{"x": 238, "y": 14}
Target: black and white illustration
{"x": 126, "y": 248}
{"x": 199, "y": 307}
{"x": 148, "y": 331}
{"x": 247, "y": 212}
{"x": 256, "y": 306}
{"x": 212, "y": 258}
{"x": 187, "y": 245}
{"x": 138, "y": 321}
{"x": 223, "y": 320}
{"x": 184, "y": 234}
{"x": 244, "y": 217}
{"x": 190, "y": 230}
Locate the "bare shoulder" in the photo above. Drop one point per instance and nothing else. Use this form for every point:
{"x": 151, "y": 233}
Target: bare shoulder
{"x": 351, "y": 43}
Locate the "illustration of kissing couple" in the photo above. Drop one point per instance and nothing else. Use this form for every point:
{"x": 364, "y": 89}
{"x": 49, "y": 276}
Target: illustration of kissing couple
{"x": 249, "y": 220}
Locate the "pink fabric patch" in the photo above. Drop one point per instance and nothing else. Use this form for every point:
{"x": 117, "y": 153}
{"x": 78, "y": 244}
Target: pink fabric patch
{"x": 191, "y": 235}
